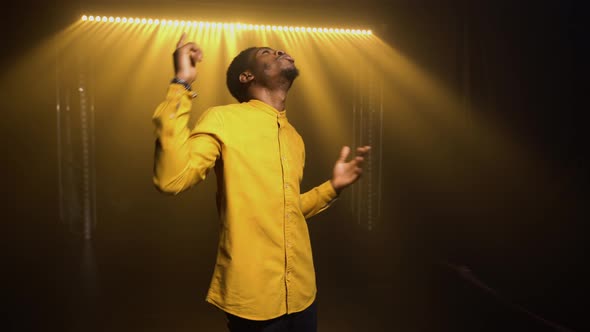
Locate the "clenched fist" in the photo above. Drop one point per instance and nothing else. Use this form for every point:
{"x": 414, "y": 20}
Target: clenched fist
{"x": 186, "y": 57}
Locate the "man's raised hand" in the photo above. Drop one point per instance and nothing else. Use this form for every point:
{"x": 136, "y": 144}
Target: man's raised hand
{"x": 186, "y": 57}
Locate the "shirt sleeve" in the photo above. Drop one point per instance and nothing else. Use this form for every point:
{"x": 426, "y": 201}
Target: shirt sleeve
{"x": 183, "y": 157}
{"x": 317, "y": 199}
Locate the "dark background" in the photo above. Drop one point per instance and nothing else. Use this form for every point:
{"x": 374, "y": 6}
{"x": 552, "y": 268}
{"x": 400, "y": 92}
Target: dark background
{"x": 520, "y": 63}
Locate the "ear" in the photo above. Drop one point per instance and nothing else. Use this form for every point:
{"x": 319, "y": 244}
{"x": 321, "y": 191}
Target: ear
{"x": 246, "y": 77}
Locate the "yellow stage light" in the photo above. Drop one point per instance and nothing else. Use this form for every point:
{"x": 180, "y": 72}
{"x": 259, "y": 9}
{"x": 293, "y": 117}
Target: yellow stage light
{"x": 225, "y": 26}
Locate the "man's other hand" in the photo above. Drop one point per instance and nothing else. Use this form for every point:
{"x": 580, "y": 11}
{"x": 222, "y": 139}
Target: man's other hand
{"x": 348, "y": 172}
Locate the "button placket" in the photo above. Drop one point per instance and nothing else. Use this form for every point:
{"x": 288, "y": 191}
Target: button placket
{"x": 287, "y": 215}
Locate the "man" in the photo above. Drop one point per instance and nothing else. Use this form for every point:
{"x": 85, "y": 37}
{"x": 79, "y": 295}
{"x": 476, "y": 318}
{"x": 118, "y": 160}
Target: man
{"x": 264, "y": 276}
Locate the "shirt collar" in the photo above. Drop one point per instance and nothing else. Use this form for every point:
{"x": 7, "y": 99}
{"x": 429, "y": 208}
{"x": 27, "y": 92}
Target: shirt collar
{"x": 266, "y": 108}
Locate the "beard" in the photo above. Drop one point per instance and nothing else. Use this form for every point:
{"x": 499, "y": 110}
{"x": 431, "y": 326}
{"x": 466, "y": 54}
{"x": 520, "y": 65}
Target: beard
{"x": 290, "y": 74}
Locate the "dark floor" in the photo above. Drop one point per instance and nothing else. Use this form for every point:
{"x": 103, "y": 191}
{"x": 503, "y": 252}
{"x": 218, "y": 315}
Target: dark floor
{"x": 69, "y": 285}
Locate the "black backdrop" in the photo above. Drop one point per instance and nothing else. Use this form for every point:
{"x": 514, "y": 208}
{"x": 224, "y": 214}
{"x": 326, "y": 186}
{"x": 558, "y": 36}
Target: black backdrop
{"x": 519, "y": 63}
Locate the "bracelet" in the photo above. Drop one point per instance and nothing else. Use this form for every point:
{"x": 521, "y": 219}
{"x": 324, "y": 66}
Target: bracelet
{"x": 185, "y": 84}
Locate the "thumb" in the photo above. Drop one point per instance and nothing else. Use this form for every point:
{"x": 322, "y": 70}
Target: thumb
{"x": 344, "y": 154}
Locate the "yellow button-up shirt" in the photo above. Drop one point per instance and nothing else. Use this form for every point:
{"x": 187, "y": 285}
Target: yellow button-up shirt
{"x": 264, "y": 265}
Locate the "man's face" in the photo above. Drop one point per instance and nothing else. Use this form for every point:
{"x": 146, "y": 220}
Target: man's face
{"x": 270, "y": 64}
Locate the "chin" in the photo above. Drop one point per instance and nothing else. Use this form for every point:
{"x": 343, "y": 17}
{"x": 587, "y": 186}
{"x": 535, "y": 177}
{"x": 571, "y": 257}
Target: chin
{"x": 291, "y": 73}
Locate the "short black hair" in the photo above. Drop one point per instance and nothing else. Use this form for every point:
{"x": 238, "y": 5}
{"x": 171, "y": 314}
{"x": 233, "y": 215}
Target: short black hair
{"x": 239, "y": 64}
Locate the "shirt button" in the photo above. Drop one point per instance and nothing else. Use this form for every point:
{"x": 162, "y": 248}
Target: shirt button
{"x": 287, "y": 186}
{"x": 284, "y": 158}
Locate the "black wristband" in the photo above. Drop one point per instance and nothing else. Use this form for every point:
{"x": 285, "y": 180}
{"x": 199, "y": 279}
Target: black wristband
{"x": 182, "y": 82}
{"x": 185, "y": 84}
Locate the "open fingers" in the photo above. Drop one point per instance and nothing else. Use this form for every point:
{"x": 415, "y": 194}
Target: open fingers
{"x": 359, "y": 161}
{"x": 363, "y": 150}
{"x": 361, "y": 153}
{"x": 344, "y": 154}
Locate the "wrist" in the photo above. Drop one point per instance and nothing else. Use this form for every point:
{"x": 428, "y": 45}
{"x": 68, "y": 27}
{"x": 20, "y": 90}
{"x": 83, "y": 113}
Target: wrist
{"x": 187, "y": 85}
{"x": 336, "y": 188}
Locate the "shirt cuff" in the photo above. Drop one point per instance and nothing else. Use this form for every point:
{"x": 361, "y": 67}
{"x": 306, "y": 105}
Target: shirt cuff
{"x": 328, "y": 191}
{"x": 179, "y": 91}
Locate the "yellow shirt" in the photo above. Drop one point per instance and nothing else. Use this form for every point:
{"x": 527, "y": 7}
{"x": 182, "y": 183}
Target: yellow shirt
{"x": 264, "y": 265}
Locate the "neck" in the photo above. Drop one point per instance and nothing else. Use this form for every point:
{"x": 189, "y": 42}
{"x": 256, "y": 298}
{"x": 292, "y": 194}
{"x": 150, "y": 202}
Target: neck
{"x": 275, "y": 96}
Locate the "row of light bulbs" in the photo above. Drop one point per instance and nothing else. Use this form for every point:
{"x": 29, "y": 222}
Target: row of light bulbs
{"x": 226, "y": 26}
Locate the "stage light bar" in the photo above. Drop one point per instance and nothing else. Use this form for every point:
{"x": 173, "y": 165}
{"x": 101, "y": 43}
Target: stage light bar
{"x": 224, "y": 26}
